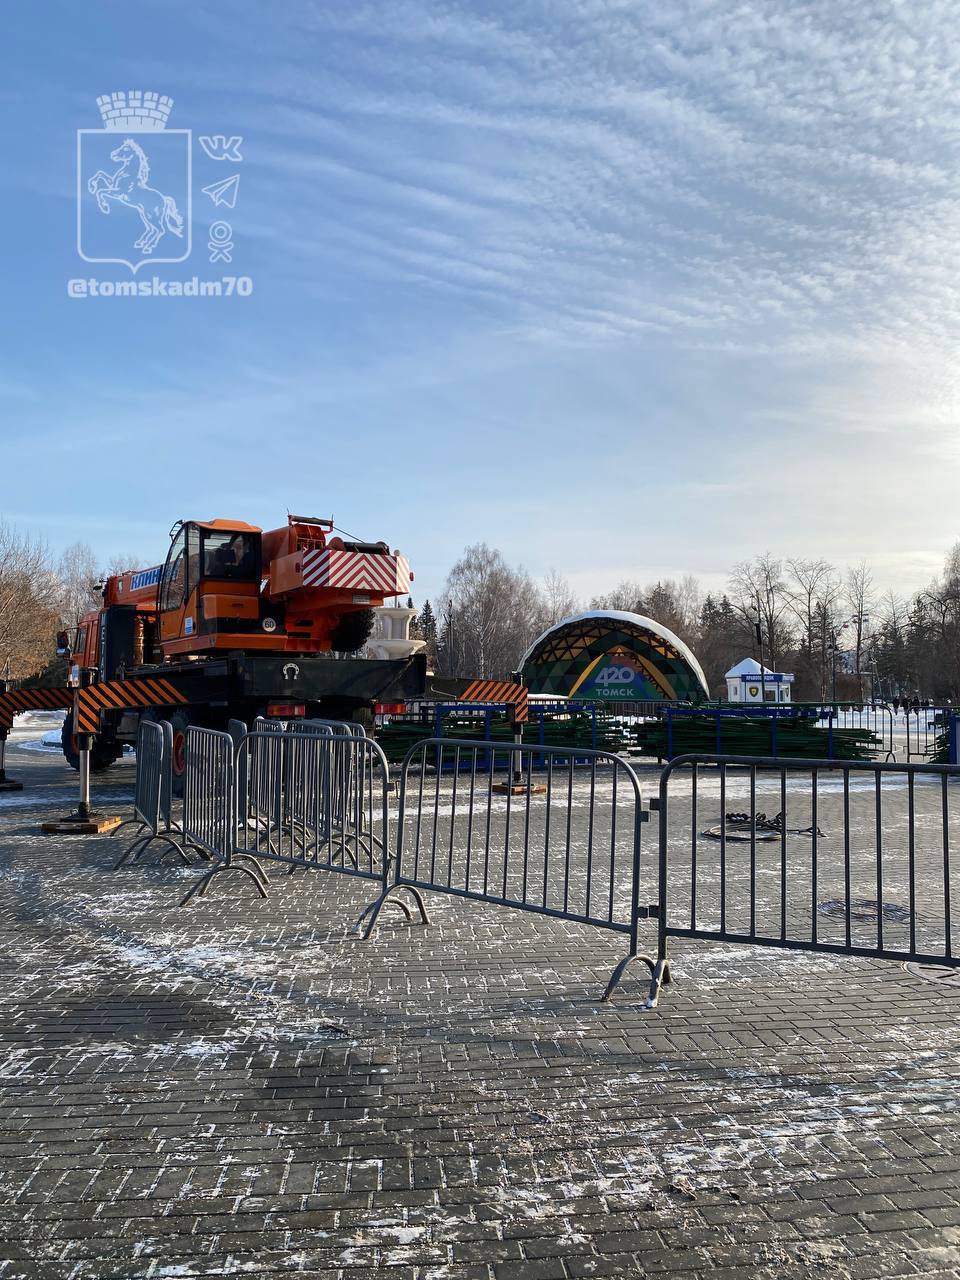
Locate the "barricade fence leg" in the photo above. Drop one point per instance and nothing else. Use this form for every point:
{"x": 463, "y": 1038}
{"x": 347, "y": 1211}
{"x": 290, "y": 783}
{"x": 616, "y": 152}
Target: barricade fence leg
{"x": 6, "y": 784}
{"x": 211, "y": 813}
{"x": 638, "y": 913}
{"x": 152, "y": 796}
{"x": 390, "y": 892}
{"x": 661, "y": 970}
{"x": 389, "y": 895}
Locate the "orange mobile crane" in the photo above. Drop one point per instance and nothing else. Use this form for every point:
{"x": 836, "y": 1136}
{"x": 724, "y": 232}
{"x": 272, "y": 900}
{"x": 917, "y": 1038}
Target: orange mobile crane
{"x": 236, "y": 623}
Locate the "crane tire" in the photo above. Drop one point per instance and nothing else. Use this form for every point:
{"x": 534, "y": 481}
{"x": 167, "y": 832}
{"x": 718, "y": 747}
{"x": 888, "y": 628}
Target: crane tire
{"x": 102, "y": 754}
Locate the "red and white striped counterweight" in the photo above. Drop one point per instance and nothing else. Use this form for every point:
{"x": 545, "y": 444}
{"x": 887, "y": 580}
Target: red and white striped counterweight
{"x": 382, "y": 575}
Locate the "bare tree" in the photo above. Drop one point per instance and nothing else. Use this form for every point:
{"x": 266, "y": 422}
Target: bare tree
{"x": 888, "y": 643}
{"x": 858, "y": 596}
{"x": 126, "y": 563}
{"x": 489, "y": 614}
{"x": 557, "y": 599}
{"x": 676, "y": 605}
{"x": 79, "y": 575}
{"x": 760, "y": 584}
{"x": 29, "y": 605}
{"x": 814, "y": 592}
{"x": 809, "y": 584}
{"x": 690, "y": 599}
{"x": 933, "y": 633}
{"x": 626, "y": 596}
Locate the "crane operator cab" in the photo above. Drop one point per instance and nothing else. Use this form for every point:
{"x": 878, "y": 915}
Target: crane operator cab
{"x": 209, "y": 591}
{"x": 230, "y": 555}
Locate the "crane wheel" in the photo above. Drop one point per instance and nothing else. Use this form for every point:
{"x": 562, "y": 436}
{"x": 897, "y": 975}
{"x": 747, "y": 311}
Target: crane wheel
{"x": 352, "y": 630}
{"x": 179, "y": 723}
{"x": 102, "y": 754}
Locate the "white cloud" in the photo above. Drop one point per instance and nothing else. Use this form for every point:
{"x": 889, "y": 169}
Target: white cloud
{"x": 686, "y": 226}
{"x": 766, "y": 173}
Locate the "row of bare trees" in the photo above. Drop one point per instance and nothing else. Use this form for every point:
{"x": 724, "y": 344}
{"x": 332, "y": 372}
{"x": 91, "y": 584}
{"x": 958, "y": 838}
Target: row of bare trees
{"x": 838, "y": 632}
{"x": 41, "y": 594}
{"x": 29, "y": 604}
{"x": 832, "y": 628}
{"x": 489, "y": 613}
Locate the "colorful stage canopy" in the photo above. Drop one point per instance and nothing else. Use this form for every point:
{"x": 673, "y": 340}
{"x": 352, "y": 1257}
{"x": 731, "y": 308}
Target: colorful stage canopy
{"x": 608, "y": 656}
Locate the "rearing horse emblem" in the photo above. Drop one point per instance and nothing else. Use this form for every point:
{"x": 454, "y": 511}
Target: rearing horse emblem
{"x": 134, "y": 183}
{"x": 129, "y": 185}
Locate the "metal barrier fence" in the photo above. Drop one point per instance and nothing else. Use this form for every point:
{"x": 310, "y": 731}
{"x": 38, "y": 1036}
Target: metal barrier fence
{"x": 874, "y": 717}
{"x": 575, "y": 724}
{"x": 904, "y": 729}
{"x": 831, "y": 856}
{"x": 315, "y": 799}
{"x": 260, "y": 766}
{"x": 852, "y": 858}
{"x": 210, "y": 807}
{"x": 153, "y": 793}
{"x": 831, "y": 718}
{"x": 263, "y": 766}
{"x": 558, "y": 841}
{"x": 655, "y": 730}
{"x": 917, "y": 729}
{"x": 264, "y": 724}
{"x": 301, "y": 795}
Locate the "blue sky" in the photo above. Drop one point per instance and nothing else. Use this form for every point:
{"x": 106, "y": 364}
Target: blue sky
{"x": 623, "y": 289}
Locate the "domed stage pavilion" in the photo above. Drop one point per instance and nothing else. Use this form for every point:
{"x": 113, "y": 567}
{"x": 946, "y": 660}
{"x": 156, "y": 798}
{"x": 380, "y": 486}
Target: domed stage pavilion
{"x": 608, "y": 656}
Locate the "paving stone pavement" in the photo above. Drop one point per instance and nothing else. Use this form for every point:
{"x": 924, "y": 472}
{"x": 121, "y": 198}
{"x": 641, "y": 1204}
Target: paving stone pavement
{"x": 242, "y": 1088}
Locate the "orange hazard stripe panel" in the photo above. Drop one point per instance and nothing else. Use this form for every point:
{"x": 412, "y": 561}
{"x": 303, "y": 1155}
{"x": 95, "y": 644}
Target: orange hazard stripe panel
{"x": 493, "y": 691}
{"x": 17, "y": 700}
{"x": 161, "y": 690}
{"x": 114, "y": 695}
{"x": 497, "y": 691}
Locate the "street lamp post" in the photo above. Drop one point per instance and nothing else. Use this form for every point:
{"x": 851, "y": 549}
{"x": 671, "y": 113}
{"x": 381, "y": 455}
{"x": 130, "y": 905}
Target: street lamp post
{"x": 833, "y": 666}
{"x": 835, "y": 634}
{"x": 756, "y": 615}
{"x": 450, "y": 658}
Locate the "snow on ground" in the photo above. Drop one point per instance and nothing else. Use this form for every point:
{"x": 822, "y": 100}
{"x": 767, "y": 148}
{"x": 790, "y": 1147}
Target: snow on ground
{"x": 41, "y": 731}
{"x": 33, "y": 727}
{"x": 50, "y": 741}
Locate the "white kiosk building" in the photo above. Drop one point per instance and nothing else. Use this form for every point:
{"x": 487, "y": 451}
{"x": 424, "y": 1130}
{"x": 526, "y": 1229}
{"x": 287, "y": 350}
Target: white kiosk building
{"x": 748, "y": 681}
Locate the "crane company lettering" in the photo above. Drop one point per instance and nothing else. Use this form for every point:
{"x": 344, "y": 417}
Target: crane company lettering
{"x": 146, "y": 578}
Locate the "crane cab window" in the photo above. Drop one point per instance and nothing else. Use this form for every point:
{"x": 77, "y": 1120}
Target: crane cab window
{"x": 231, "y": 555}
{"x": 174, "y": 581}
{"x": 193, "y": 557}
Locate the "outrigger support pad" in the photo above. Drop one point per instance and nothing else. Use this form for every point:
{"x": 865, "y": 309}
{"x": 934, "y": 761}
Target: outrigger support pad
{"x": 83, "y": 822}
